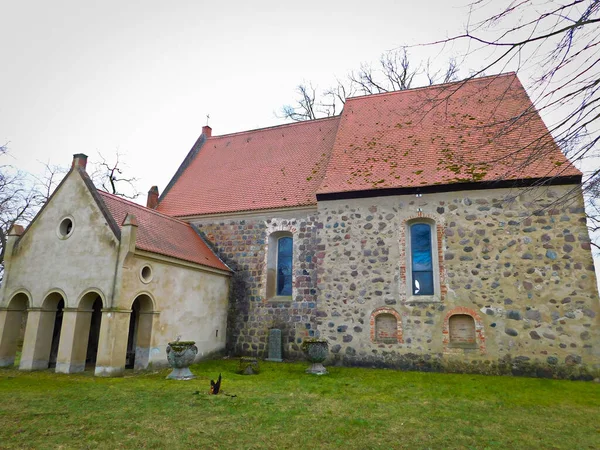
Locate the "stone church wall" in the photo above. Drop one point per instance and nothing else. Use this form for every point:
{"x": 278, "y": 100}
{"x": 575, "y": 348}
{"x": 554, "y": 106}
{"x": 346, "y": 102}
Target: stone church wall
{"x": 243, "y": 244}
{"x": 514, "y": 278}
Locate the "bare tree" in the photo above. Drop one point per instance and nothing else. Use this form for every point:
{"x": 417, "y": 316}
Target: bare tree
{"x": 437, "y": 76}
{"x": 593, "y": 212}
{"x": 22, "y": 195}
{"x": 305, "y": 108}
{"x": 394, "y": 72}
{"x": 109, "y": 176}
{"x": 49, "y": 180}
{"x": 19, "y": 200}
{"x": 554, "y": 48}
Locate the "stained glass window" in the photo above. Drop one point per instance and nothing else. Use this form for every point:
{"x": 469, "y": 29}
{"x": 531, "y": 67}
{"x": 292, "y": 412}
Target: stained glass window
{"x": 421, "y": 262}
{"x": 284, "y": 266}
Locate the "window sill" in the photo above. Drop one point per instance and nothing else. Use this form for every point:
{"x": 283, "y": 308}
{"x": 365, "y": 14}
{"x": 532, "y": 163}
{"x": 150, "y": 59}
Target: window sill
{"x": 423, "y": 299}
{"x": 463, "y": 345}
{"x": 280, "y": 299}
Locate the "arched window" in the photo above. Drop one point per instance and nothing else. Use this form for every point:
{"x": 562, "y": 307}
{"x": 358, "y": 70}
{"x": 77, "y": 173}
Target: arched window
{"x": 284, "y": 266}
{"x": 280, "y": 266}
{"x": 421, "y": 260}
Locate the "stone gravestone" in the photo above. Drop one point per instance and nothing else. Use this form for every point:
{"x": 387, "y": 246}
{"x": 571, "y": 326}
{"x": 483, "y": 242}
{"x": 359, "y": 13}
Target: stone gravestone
{"x": 274, "y": 345}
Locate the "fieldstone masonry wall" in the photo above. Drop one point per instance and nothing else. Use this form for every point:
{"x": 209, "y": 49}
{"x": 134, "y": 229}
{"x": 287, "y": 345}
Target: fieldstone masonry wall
{"x": 514, "y": 260}
{"x": 243, "y": 245}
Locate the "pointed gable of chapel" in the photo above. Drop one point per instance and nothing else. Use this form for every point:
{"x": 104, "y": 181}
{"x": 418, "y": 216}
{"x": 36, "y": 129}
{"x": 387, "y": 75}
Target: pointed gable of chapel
{"x": 156, "y": 233}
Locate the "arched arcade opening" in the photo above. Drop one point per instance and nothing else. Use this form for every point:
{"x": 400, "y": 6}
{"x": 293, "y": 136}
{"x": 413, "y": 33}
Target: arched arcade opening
{"x": 13, "y": 320}
{"x": 43, "y": 333}
{"x": 140, "y": 333}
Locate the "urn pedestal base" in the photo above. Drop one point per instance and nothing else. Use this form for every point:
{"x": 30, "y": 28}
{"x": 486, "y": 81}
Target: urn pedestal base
{"x": 181, "y": 374}
{"x": 317, "y": 369}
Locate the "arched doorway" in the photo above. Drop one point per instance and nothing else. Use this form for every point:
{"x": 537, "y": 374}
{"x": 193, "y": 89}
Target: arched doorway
{"x": 140, "y": 333}
{"x": 13, "y": 330}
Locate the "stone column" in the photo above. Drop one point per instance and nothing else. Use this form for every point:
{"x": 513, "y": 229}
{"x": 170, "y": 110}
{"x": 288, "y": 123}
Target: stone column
{"x": 72, "y": 348}
{"x": 38, "y": 339}
{"x": 10, "y": 326}
{"x": 144, "y": 339}
{"x": 112, "y": 343}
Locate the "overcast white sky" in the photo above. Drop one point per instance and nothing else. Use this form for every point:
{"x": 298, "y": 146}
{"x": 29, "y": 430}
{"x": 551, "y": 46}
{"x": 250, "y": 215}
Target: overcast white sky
{"x": 140, "y": 76}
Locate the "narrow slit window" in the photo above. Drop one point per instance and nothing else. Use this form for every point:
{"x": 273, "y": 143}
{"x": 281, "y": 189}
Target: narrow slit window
{"x": 284, "y": 266}
{"x": 421, "y": 260}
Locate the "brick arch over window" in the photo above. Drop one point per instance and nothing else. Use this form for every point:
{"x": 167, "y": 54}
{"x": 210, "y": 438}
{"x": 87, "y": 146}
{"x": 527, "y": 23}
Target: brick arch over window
{"x": 437, "y": 254}
{"x": 449, "y": 347}
{"x": 381, "y": 313}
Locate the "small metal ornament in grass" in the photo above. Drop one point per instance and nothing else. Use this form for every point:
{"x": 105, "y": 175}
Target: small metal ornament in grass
{"x": 316, "y": 351}
{"x": 180, "y": 355}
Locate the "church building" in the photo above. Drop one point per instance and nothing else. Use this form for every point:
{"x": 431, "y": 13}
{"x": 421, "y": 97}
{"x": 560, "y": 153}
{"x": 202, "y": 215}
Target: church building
{"x": 415, "y": 229}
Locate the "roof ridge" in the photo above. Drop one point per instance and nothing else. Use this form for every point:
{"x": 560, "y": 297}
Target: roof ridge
{"x": 321, "y": 119}
{"x": 432, "y": 86}
{"x": 145, "y": 208}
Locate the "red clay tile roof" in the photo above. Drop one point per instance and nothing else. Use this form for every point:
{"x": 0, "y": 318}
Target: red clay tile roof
{"x": 274, "y": 167}
{"x": 458, "y": 132}
{"x": 164, "y": 235}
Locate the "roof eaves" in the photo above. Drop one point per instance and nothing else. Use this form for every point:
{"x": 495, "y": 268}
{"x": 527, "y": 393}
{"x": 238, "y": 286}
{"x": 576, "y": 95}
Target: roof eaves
{"x": 451, "y": 187}
{"x": 232, "y": 211}
{"x": 178, "y": 258}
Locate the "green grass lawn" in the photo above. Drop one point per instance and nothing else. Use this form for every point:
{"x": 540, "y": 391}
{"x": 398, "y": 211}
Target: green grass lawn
{"x": 283, "y": 407}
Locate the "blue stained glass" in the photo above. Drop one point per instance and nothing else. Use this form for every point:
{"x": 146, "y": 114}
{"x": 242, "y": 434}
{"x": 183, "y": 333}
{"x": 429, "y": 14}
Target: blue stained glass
{"x": 421, "y": 260}
{"x": 284, "y": 266}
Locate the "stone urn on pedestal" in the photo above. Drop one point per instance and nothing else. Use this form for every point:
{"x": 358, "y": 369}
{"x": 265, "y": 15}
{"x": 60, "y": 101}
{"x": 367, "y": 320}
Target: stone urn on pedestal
{"x": 180, "y": 355}
{"x": 316, "y": 351}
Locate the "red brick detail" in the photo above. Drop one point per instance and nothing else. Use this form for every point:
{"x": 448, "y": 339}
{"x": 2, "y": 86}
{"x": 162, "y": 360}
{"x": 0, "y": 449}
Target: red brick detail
{"x": 152, "y": 199}
{"x": 479, "y": 331}
{"x": 440, "y": 254}
{"x": 79, "y": 161}
{"x": 16, "y": 230}
{"x": 393, "y": 312}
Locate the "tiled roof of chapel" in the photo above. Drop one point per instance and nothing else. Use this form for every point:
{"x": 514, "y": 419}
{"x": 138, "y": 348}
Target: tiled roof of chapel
{"x": 161, "y": 234}
{"x": 482, "y": 130}
{"x": 478, "y": 131}
{"x": 275, "y": 167}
